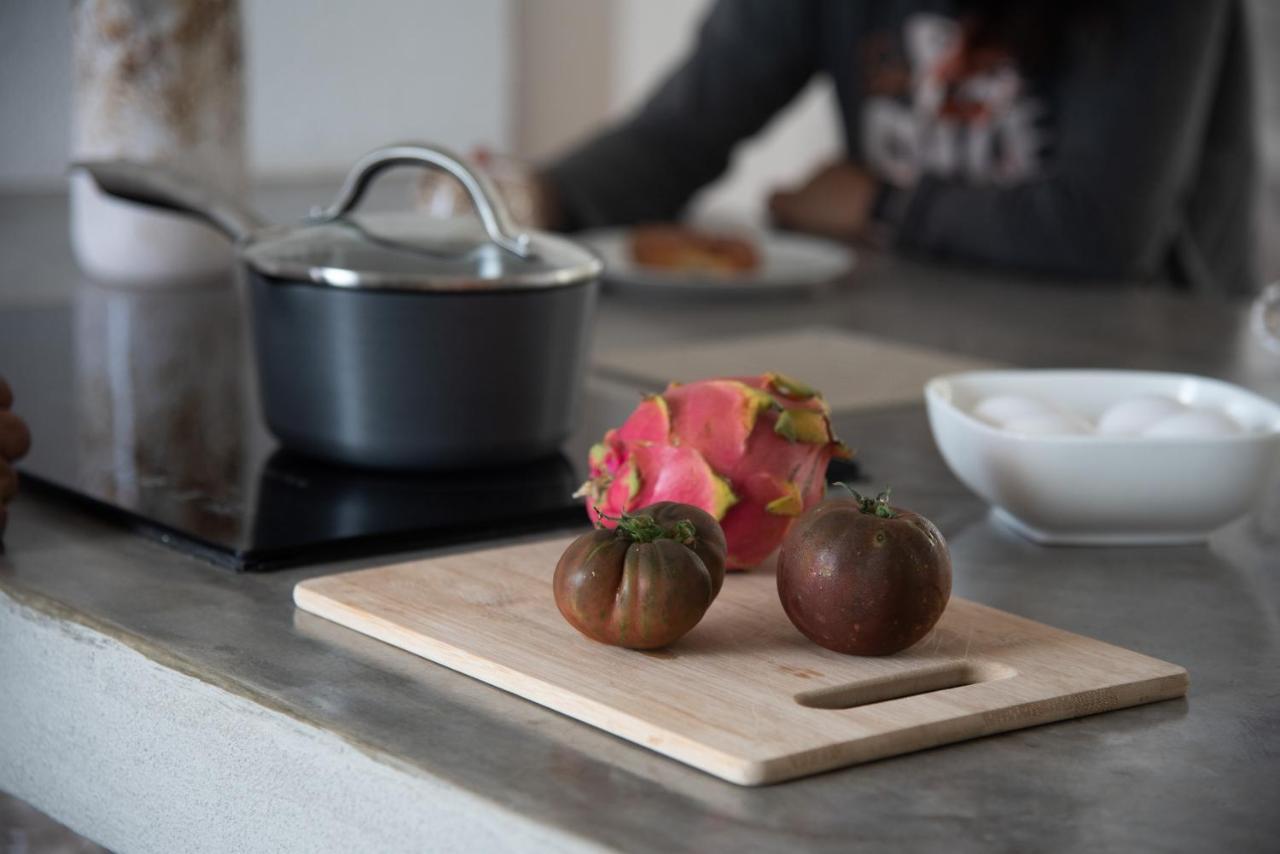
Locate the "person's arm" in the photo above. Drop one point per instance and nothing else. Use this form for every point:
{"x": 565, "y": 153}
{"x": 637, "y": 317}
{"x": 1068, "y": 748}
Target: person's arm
{"x": 1131, "y": 114}
{"x": 751, "y": 59}
{"x": 15, "y": 439}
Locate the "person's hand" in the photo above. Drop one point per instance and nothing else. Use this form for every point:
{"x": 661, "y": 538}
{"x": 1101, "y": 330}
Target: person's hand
{"x": 15, "y": 440}
{"x": 529, "y": 197}
{"x": 835, "y": 202}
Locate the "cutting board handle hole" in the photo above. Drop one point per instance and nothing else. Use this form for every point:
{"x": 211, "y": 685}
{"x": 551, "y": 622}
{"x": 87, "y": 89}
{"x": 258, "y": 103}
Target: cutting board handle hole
{"x": 914, "y": 683}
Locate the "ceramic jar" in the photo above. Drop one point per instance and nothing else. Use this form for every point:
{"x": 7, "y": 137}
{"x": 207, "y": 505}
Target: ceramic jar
{"x": 158, "y": 81}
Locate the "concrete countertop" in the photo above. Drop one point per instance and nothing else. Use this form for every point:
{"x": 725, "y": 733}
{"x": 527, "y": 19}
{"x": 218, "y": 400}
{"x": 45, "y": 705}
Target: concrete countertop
{"x": 153, "y": 702}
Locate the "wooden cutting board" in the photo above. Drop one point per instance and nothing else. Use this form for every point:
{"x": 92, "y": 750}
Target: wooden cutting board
{"x": 743, "y": 696}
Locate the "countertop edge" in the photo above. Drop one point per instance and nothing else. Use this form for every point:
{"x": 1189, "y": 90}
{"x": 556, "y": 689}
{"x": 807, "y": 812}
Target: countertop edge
{"x": 44, "y": 707}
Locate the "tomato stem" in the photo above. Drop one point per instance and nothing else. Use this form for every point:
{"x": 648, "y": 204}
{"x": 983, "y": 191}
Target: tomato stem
{"x": 643, "y": 528}
{"x": 878, "y": 506}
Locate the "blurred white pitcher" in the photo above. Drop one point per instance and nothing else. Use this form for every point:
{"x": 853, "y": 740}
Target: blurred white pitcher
{"x": 158, "y": 81}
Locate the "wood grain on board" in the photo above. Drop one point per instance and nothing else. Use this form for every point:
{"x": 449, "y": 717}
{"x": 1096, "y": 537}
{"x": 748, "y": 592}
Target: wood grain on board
{"x": 743, "y": 696}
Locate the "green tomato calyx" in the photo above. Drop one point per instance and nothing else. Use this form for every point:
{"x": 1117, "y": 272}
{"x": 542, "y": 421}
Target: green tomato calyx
{"x": 643, "y": 528}
{"x": 878, "y": 506}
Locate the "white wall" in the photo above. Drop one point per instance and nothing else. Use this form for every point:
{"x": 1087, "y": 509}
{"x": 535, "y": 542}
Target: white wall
{"x": 322, "y": 88}
{"x": 564, "y": 72}
{"x": 35, "y": 92}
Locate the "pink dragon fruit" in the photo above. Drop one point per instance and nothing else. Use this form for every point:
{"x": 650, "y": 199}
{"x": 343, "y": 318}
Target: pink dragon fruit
{"x": 751, "y": 451}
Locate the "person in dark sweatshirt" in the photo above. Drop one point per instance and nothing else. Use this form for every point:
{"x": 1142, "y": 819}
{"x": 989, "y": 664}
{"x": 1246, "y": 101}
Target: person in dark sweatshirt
{"x": 1098, "y": 139}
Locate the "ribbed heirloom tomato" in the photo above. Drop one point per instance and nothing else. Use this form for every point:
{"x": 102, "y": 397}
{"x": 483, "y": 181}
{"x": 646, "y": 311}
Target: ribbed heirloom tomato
{"x": 645, "y": 583}
{"x": 859, "y": 576}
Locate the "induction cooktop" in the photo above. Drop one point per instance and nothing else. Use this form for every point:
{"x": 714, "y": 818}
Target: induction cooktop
{"x": 143, "y": 407}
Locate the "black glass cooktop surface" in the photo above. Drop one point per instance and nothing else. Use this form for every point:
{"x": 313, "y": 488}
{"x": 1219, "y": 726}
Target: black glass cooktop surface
{"x": 143, "y": 406}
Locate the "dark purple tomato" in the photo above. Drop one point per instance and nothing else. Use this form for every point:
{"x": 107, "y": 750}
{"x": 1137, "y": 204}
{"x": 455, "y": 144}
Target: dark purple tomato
{"x": 859, "y": 576}
{"x": 645, "y": 583}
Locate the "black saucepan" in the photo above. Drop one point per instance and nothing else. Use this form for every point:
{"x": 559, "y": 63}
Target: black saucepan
{"x": 398, "y": 340}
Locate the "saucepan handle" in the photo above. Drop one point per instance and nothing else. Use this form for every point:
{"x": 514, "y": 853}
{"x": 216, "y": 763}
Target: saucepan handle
{"x": 493, "y": 213}
{"x": 165, "y": 188}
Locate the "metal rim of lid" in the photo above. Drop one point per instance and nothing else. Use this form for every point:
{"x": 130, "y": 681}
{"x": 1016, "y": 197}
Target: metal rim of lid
{"x": 297, "y": 272}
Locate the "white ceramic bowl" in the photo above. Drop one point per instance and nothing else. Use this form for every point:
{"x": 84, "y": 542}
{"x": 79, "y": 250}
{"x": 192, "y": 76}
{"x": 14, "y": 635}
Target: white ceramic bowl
{"x": 1096, "y": 490}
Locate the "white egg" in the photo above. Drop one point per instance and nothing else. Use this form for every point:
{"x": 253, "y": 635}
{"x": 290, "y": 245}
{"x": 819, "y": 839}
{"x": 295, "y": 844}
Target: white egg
{"x": 1133, "y": 416}
{"x": 1002, "y": 408}
{"x": 1194, "y": 424}
{"x": 1048, "y": 424}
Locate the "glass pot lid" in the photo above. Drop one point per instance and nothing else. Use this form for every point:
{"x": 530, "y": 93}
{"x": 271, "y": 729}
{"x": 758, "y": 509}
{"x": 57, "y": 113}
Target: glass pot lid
{"x": 412, "y": 251}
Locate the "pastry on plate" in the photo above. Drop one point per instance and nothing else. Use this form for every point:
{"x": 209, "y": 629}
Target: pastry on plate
{"x": 683, "y": 249}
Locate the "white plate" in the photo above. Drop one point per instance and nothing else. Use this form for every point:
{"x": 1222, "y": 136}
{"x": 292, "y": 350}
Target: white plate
{"x": 1106, "y": 490}
{"x": 790, "y": 263}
